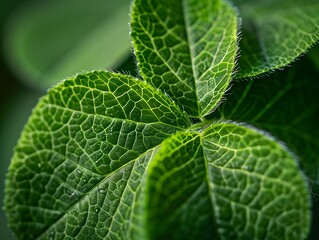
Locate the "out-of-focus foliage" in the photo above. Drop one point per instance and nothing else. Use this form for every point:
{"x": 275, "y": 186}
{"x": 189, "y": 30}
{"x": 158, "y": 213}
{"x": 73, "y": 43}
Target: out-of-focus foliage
{"x": 45, "y": 41}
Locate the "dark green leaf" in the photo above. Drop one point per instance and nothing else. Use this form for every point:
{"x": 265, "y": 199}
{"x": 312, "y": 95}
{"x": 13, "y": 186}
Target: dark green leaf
{"x": 275, "y": 33}
{"x": 287, "y": 105}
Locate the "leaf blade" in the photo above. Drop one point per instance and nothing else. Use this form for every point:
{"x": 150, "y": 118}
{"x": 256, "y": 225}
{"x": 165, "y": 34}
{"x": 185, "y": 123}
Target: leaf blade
{"x": 274, "y": 175}
{"x": 275, "y": 34}
{"x": 237, "y": 177}
{"x": 191, "y": 52}
{"x": 86, "y": 131}
{"x": 289, "y": 110}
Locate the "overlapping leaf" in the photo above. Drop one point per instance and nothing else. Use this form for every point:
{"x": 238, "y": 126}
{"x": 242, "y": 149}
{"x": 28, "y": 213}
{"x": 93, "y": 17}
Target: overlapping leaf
{"x": 230, "y": 182}
{"x": 83, "y": 143}
{"x": 286, "y": 105}
{"x": 187, "y": 49}
{"x": 274, "y": 33}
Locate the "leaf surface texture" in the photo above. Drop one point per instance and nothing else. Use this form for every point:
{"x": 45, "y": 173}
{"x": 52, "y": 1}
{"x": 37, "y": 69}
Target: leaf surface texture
{"x": 275, "y": 33}
{"x": 229, "y": 182}
{"x": 187, "y": 49}
{"x": 84, "y": 142}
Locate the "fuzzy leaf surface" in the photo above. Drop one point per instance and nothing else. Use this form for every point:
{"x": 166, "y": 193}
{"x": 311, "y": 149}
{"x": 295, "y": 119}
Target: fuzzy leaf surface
{"x": 275, "y": 33}
{"x": 78, "y": 162}
{"x": 187, "y": 49}
{"x": 228, "y": 182}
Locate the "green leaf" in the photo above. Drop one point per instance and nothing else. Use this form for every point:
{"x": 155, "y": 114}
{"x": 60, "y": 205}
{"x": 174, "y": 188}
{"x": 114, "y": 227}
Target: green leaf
{"x": 47, "y": 41}
{"x": 229, "y": 182}
{"x": 287, "y": 105}
{"x": 78, "y": 162}
{"x": 275, "y": 33}
{"x": 187, "y": 49}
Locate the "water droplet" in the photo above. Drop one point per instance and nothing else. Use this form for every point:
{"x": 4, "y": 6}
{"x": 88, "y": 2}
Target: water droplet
{"x": 75, "y": 211}
{"x": 203, "y": 67}
{"x": 79, "y": 171}
{"x": 245, "y": 167}
{"x": 39, "y": 165}
{"x": 102, "y": 191}
{"x": 77, "y": 115}
{"x": 96, "y": 210}
{"x": 51, "y": 235}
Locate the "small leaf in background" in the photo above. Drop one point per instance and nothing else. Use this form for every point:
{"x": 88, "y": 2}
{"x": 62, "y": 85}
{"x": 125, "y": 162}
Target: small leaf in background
{"x": 275, "y": 33}
{"x": 187, "y": 49}
{"x": 49, "y": 40}
{"x": 230, "y": 182}
{"x": 78, "y": 152}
